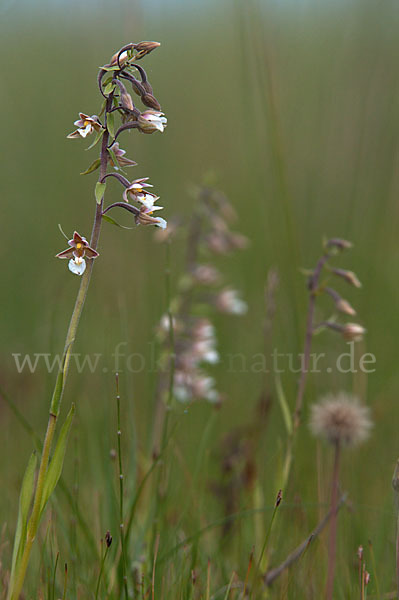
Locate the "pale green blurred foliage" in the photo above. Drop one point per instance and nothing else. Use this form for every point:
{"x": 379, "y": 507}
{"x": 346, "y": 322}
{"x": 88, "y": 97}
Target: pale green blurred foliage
{"x": 295, "y": 111}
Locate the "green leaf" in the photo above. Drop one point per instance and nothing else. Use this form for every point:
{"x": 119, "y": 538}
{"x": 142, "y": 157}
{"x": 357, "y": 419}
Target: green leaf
{"x": 111, "y": 124}
{"x": 93, "y": 167}
{"x": 55, "y": 401}
{"x": 114, "y": 159}
{"x": 109, "y": 88}
{"x": 102, "y": 109}
{"x": 283, "y": 405}
{"x": 99, "y": 191}
{"x": 229, "y": 586}
{"x": 113, "y": 222}
{"x": 55, "y": 467}
{"x": 114, "y": 68}
{"x": 25, "y": 499}
{"x": 98, "y": 137}
{"x": 59, "y": 384}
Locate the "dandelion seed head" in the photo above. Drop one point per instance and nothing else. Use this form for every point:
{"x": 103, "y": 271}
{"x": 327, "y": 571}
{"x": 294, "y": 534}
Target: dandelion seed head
{"x": 340, "y": 419}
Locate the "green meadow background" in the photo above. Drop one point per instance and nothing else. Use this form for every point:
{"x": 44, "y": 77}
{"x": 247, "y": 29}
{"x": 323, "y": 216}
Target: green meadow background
{"x": 291, "y": 109}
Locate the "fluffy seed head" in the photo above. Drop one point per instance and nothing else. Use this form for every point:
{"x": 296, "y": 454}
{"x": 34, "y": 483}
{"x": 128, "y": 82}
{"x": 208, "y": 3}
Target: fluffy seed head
{"x": 340, "y": 419}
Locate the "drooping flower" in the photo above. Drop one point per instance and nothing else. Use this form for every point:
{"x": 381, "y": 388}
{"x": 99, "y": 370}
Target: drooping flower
{"x": 79, "y": 248}
{"x": 223, "y": 241}
{"x": 349, "y": 276}
{"x": 189, "y": 386}
{"x": 203, "y": 342}
{"x": 85, "y": 126}
{"x": 151, "y": 120}
{"x": 137, "y": 192}
{"x": 340, "y": 303}
{"x": 340, "y": 419}
{"x": 228, "y": 301}
{"x": 343, "y": 306}
{"x": 161, "y": 223}
{"x": 353, "y": 332}
{"x": 144, "y": 218}
{"x": 206, "y": 275}
{"x": 123, "y": 161}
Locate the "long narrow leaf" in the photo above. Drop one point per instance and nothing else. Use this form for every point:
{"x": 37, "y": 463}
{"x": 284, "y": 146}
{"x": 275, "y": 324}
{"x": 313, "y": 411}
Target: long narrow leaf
{"x": 284, "y": 405}
{"x": 25, "y": 499}
{"x": 59, "y": 384}
{"x": 55, "y": 468}
{"x": 98, "y": 137}
{"x": 110, "y": 120}
{"x": 93, "y": 167}
{"x": 116, "y": 165}
{"x": 113, "y": 222}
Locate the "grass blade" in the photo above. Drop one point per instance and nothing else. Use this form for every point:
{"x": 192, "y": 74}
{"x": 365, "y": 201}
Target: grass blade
{"x": 55, "y": 468}
{"x": 25, "y": 499}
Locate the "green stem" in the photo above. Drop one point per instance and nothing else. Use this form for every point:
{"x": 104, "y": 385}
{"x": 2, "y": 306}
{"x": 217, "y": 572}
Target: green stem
{"x": 121, "y": 523}
{"x": 104, "y": 556}
{"x": 65, "y": 582}
{"x": 262, "y": 552}
{"x": 84, "y": 286}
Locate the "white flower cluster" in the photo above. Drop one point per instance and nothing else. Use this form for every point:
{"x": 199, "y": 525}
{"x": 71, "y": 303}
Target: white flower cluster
{"x": 196, "y": 346}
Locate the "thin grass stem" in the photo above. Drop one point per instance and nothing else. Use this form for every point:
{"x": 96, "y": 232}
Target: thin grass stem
{"x": 121, "y": 490}
{"x": 54, "y": 576}
{"x": 103, "y": 557}
{"x": 265, "y": 543}
{"x": 65, "y": 582}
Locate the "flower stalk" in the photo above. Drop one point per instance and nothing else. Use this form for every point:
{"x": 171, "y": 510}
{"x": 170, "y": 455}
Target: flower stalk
{"x": 332, "y": 543}
{"x": 79, "y": 248}
{"x": 341, "y": 421}
{"x": 349, "y": 331}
